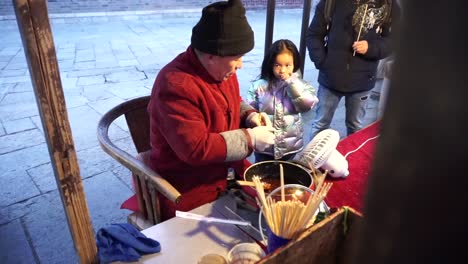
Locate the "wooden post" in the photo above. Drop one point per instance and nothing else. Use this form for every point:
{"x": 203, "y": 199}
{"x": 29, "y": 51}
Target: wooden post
{"x": 34, "y": 25}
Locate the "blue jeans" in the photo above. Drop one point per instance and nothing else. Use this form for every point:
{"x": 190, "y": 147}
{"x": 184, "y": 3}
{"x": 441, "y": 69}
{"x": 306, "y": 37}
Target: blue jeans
{"x": 355, "y": 104}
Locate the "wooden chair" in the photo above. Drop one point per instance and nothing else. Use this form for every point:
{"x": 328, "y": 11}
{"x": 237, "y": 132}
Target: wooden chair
{"x": 148, "y": 183}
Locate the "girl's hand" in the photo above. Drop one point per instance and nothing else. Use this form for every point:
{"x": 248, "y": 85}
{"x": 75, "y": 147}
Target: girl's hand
{"x": 291, "y": 79}
{"x": 285, "y": 77}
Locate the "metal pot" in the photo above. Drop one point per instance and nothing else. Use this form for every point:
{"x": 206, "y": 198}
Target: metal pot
{"x": 269, "y": 171}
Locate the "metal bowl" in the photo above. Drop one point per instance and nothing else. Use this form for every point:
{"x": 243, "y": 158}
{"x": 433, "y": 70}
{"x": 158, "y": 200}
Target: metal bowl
{"x": 269, "y": 173}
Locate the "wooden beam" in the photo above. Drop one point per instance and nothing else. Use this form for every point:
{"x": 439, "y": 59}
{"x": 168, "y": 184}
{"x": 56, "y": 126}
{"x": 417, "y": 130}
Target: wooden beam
{"x": 35, "y": 30}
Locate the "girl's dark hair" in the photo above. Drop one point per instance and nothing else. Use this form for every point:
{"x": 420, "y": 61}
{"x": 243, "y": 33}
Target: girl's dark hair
{"x": 279, "y": 46}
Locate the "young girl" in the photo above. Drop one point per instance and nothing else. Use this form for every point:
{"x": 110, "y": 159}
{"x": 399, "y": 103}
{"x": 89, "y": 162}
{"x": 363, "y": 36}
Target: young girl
{"x": 281, "y": 93}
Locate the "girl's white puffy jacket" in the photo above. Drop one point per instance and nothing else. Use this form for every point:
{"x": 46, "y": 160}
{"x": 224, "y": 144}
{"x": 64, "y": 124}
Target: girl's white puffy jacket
{"x": 284, "y": 101}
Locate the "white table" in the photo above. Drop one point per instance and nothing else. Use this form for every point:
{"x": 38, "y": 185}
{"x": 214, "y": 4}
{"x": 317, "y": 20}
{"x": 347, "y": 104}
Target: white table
{"x": 186, "y": 241}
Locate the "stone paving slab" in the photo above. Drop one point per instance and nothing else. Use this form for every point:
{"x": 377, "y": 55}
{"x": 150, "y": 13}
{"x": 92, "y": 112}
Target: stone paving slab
{"x": 16, "y": 248}
{"x": 94, "y": 161}
{"x": 102, "y": 209}
{"x": 17, "y": 186}
{"x": 18, "y": 125}
{"x": 14, "y": 212}
{"x": 18, "y": 111}
{"x": 21, "y": 140}
{"x": 47, "y": 227}
{"x": 24, "y": 159}
{"x": 18, "y": 98}
{"x": 43, "y": 177}
{"x": 83, "y": 122}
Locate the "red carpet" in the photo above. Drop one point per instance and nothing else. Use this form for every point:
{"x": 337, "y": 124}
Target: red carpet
{"x": 350, "y": 191}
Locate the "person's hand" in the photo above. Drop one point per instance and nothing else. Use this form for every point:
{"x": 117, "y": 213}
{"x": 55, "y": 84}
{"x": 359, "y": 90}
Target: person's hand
{"x": 361, "y": 47}
{"x": 285, "y": 76}
{"x": 262, "y": 137}
{"x": 258, "y": 119}
{"x": 290, "y": 79}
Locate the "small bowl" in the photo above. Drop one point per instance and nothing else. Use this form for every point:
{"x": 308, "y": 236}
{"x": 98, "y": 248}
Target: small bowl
{"x": 212, "y": 259}
{"x": 245, "y": 253}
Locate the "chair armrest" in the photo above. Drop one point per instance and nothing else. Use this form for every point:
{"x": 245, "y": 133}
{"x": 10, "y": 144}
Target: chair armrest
{"x": 130, "y": 162}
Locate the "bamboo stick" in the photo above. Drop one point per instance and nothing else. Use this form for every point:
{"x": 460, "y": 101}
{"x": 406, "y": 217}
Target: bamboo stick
{"x": 288, "y": 218}
{"x": 360, "y": 28}
{"x": 282, "y": 182}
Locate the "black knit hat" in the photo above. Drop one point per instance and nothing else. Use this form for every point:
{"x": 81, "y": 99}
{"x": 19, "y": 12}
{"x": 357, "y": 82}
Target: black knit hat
{"x": 223, "y": 30}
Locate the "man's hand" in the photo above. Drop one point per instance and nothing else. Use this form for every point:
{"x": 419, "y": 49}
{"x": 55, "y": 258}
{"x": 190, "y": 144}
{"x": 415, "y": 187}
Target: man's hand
{"x": 261, "y": 137}
{"x": 361, "y": 47}
{"x": 258, "y": 119}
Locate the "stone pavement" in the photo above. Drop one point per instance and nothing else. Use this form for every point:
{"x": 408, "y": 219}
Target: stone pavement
{"x": 103, "y": 61}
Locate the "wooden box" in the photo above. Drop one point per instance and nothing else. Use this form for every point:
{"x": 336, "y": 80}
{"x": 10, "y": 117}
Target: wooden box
{"x": 329, "y": 241}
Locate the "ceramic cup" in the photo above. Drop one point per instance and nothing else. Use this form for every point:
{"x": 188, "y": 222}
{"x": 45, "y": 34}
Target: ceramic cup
{"x": 212, "y": 259}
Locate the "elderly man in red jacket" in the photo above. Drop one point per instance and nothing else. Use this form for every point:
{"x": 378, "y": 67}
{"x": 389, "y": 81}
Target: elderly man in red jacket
{"x": 200, "y": 127}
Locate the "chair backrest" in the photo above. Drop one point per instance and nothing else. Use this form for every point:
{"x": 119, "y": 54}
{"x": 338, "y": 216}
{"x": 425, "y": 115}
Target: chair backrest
{"x": 137, "y": 117}
{"x": 147, "y": 181}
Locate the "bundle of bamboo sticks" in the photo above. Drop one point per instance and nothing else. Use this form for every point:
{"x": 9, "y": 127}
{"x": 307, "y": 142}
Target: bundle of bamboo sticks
{"x": 287, "y": 218}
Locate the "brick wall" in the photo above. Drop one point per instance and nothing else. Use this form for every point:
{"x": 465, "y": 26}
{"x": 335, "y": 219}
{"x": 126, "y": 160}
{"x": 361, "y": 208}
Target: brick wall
{"x": 89, "y": 6}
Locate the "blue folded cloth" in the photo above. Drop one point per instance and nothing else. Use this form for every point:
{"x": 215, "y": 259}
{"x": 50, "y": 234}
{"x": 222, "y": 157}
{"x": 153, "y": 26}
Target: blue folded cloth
{"x": 123, "y": 242}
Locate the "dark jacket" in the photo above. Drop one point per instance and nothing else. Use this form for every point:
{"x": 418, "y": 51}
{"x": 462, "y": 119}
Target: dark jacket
{"x": 331, "y": 50}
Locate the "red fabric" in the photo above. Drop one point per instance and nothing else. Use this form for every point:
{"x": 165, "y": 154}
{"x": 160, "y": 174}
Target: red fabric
{"x": 131, "y": 204}
{"x": 350, "y": 191}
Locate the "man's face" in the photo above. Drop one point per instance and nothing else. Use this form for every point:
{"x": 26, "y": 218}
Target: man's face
{"x": 221, "y": 68}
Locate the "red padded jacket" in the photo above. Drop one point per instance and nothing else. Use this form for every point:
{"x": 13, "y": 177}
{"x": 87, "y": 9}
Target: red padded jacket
{"x": 188, "y": 111}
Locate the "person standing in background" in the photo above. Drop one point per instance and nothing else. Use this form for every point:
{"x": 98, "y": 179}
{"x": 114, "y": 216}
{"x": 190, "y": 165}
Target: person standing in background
{"x": 346, "y": 45}
{"x": 283, "y": 95}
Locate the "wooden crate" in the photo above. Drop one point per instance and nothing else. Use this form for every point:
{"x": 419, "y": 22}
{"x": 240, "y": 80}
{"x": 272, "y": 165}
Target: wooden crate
{"x": 329, "y": 241}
